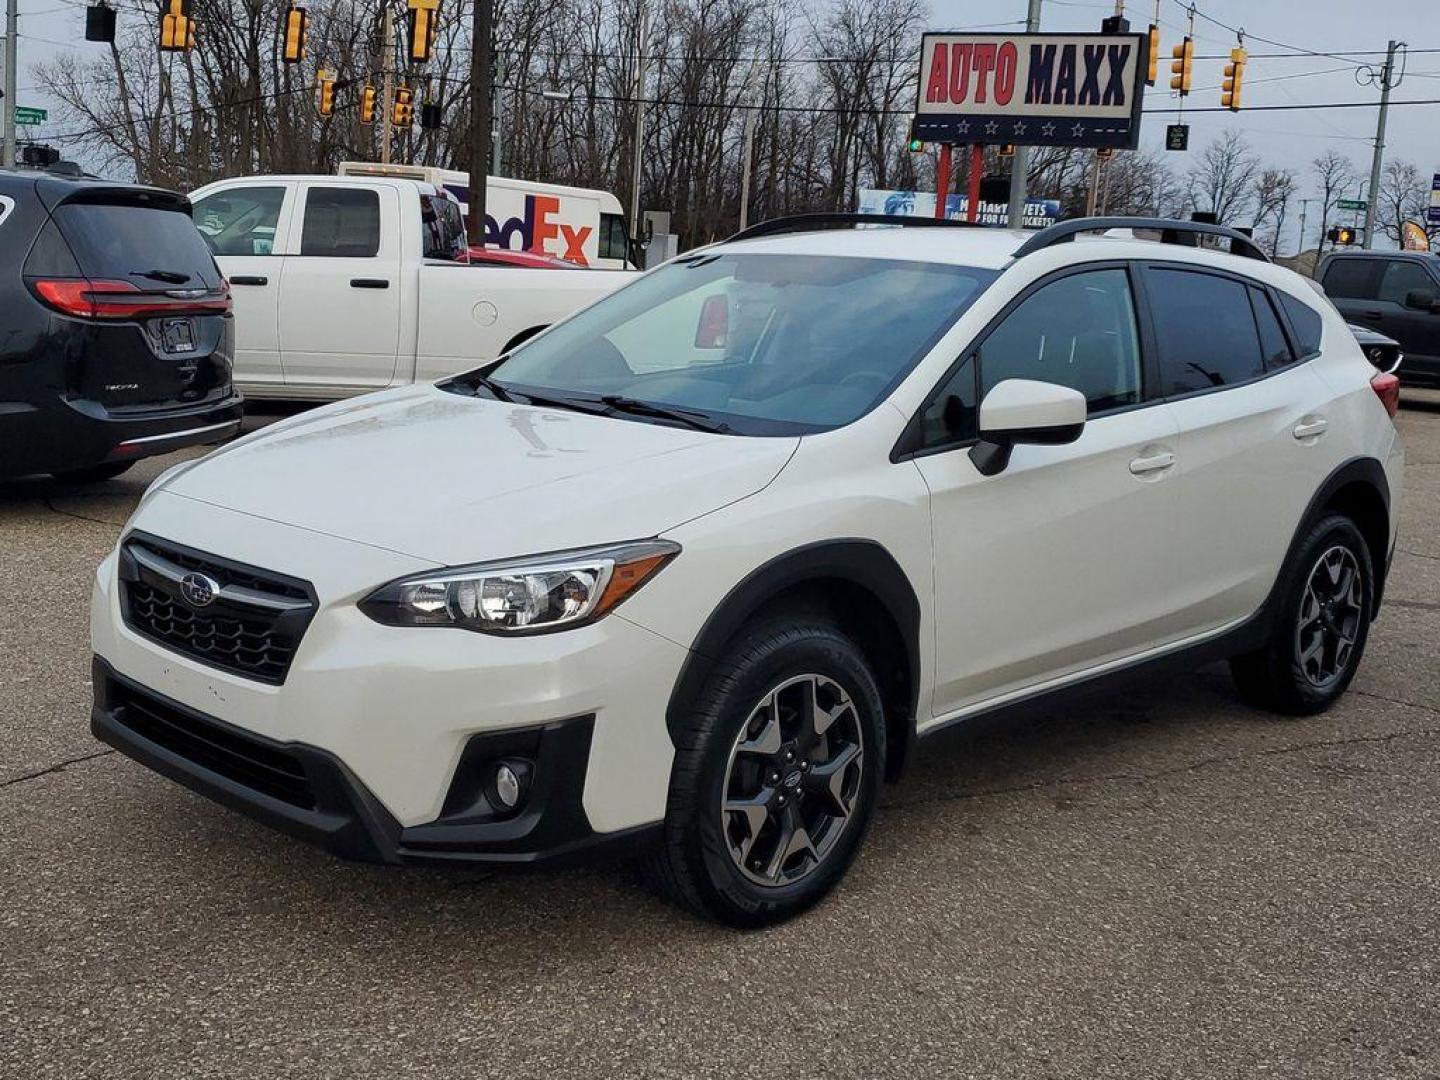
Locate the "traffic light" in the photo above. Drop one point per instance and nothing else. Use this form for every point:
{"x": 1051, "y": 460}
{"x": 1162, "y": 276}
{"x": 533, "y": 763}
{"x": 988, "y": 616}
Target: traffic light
{"x": 1154, "y": 55}
{"x": 177, "y": 28}
{"x": 367, "y": 105}
{"x": 297, "y": 22}
{"x": 917, "y": 146}
{"x": 423, "y": 16}
{"x": 1184, "y": 55}
{"x": 1007, "y": 150}
{"x": 1341, "y": 236}
{"x": 404, "y": 112}
{"x": 1234, "y": 74}
{"x": 324, "y": 92}
{"x": 432, "y": 116}
{"x": 100, "y": 22}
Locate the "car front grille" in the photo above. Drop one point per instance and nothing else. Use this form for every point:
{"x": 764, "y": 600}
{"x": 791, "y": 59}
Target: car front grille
{"x": 251, "y": 625}
{"x": 258, "y": 764}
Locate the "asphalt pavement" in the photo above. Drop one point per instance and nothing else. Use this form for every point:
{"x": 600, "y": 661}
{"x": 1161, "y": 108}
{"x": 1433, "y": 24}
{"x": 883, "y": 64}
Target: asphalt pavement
{"x": 1158, "y": 883}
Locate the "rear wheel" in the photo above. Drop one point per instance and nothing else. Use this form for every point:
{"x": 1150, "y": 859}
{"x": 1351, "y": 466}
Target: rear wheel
{"x": 775, "y": 777}
{"x": 95, "y": 474}
{"x": 1323, "y": 623}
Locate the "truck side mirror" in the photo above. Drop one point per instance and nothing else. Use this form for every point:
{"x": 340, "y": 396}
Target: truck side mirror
{"x": 1422, "y": 300}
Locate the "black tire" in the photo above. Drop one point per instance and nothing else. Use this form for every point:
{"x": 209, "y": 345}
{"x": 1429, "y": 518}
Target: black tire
{"x": 95, "y": 474}
{"x": 1279, "y": 677}
{"x": 696, "y": 865}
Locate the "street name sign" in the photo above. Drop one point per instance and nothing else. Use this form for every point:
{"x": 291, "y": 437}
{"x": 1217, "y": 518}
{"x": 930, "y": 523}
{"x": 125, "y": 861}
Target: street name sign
{"x": 1352, "y": 204}
{"x": 24, "y": 114}
{"x": 1032, "y": 89}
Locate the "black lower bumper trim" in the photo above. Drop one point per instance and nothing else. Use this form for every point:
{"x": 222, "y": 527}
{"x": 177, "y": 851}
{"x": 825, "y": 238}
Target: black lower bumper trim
{"x": 329, "y": 807}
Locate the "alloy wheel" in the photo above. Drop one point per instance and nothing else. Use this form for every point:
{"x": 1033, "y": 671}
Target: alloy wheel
{"x": 793, "y": 780}
{"x": 1331, "y": 616}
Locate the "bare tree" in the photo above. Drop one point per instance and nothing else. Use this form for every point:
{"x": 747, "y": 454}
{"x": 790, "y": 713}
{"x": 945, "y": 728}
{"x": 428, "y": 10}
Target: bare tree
{"x": 1222, "y": 182}
{"x": 1334, "y": 175}
{"x": 1274, "y": 191}
{"x": 1404, "y": 195}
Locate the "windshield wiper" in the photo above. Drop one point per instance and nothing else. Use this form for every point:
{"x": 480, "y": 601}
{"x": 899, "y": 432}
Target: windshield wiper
{"x": 172, "y": 277}
{"x": 498, "y": 392}
{"x": 689, "y": 417}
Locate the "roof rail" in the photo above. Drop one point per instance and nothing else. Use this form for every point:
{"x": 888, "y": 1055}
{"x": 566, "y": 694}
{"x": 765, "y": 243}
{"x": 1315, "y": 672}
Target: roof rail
{"x": 808, "y": 222}
{"x": 1172, "y": 231}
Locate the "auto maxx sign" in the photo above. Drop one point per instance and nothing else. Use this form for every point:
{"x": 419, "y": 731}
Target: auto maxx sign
{"x": 1032, "y": 89}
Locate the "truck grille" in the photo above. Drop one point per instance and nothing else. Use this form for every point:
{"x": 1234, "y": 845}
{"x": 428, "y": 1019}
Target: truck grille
{"x": 261, "y": 765}
{"x": 251, "y": 625}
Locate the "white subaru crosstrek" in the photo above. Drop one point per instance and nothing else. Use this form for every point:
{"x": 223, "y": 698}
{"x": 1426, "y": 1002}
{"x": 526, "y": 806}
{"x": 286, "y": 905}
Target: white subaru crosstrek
{"x": 700, "y": 565}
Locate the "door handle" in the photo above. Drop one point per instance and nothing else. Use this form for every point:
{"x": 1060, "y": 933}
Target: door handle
{"x": 369, "y": 283}
{"x": 249, "y": 279}
{"x": 1311, "y": 427}
{"x": 1372, "y": 314}
{"x": 1154, "y": 463}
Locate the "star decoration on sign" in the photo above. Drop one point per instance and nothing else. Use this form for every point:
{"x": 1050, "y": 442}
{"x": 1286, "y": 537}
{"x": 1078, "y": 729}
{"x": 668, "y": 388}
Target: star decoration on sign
{"x": 1019, "y": 128}
{"x": 963, "y": 127}
{"x": 991, "y": 128}
{"x": 1048, "y": 130}
{"x": 1078, "y": 130}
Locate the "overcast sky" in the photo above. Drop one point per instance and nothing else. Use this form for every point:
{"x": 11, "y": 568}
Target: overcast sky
{"x": 1291, "y": 139}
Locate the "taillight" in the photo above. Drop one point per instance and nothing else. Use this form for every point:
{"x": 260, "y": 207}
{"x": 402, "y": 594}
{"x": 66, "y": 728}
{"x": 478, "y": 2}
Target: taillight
{"x": 1387, "y": 389}
{"x": 86, "y": 299}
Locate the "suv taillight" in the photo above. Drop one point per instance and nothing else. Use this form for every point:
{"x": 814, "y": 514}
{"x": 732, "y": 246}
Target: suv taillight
{"x": 86, "y": 299}
{"x": 1387, "y": 389}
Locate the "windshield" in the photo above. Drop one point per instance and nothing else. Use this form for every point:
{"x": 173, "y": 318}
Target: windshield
{"x": 765, "y": 344}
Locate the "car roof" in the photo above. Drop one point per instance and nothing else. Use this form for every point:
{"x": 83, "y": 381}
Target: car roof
{"x": 1370, "y": 253}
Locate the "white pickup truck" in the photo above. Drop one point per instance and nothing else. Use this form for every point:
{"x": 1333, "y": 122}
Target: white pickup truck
{"x": 344, "y": 285}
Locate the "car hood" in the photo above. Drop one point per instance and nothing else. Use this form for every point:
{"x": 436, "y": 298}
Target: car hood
{"x": 454, "y": 479}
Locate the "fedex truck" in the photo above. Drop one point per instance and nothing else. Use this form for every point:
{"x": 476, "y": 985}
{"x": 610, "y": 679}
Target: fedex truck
{"x": 582, "y": 225}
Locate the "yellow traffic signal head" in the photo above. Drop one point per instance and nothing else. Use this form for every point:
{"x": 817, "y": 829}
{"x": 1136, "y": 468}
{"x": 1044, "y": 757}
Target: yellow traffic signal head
{"x": 1154, "y": 55}
{"x": 424, "y": 15}
{"x": 1182, "y": 66}
{"x": 297, "y": 23}
{"x": 1234, "y": 74}
{"x": 367, "y": 105}
{"x": 177, "y": 28}
{"x": 403, "y": 113}
{"x": 324, "y": 92}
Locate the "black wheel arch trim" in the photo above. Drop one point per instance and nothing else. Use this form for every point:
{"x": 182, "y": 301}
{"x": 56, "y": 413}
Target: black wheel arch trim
{"x": 1368, "y": 472}
{"x": 860, "y": 562}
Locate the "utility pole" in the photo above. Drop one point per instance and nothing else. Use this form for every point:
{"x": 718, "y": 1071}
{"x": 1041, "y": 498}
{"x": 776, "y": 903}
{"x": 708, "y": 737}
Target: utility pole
{"x": 640, "y": 43}
{"x": 748, "y": 153}
{"x": 7, "y": 107}
{"x": 1020, "y": 163}
{"x": 499, "y": 113}
{"x": 482, "y": 120}
{"x": 387, "y": 92}
{"x": 1387, "y": 80}
{"x": 1304, "y": 210}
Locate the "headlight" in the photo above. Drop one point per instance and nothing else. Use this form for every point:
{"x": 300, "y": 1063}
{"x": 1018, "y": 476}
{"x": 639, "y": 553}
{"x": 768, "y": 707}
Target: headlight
{"x": 520, "y": 596}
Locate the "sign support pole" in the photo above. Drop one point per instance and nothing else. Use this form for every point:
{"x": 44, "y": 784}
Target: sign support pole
{"x": 12, "y": 41}
{"x": 977, "y": 166}
{"x": 942, "y": 181}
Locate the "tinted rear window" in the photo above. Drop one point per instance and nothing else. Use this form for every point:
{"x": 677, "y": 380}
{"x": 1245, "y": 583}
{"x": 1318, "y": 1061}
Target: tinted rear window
{"x": 1305, "y": 322}
{"x": 1351, "y": 279}
{"x": 118, "y": 241}
{"x": 341, "y": 223}
{"x": 1206, "y": 330}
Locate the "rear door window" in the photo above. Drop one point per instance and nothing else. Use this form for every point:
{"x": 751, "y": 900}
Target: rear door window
{"x": 341, "y": 223}
{"x": 1305, "y": 324}
{"x": 1401, "y": 278}
{"x": 1273, "y": 345}
{"x": 241, "y": 221}
{"x": 442, "y": 228}
{"x": 1205, "y": 329}
{"x": 1351, "y": 279}
{"x": 152, "y": 247}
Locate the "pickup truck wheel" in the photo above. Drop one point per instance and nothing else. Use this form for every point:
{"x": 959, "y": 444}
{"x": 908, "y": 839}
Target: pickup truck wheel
{"x": 775, "y": 776}
{"x": 1327, "y": 591}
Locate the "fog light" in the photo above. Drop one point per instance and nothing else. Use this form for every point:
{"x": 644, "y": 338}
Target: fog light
{"x": 507, "y": 787}
{"x": 507, "y": 784}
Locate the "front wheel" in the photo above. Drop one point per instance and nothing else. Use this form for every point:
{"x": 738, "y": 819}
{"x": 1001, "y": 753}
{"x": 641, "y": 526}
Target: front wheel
{"x": 775, "y": 777}
{"x": 1327, "y": 595}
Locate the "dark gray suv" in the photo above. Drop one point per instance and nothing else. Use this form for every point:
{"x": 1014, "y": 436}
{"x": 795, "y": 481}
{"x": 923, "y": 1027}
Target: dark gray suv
{"x": 1396, "y": 293}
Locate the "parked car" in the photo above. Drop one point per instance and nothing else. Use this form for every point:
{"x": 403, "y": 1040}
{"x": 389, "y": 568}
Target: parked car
{"x": 117, "y": 335}
{"x": 1383, "y": 352}
{"x": 346, "y": 284}
{"x": 701, "y": 592}
{"x": 1396, "y": 293}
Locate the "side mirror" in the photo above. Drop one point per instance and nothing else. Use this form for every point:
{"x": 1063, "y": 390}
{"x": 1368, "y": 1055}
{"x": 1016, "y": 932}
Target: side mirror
{"x": 1422, "y": 300}
{"x": 714, "y": 324}
{"x": 1025, "y": 411}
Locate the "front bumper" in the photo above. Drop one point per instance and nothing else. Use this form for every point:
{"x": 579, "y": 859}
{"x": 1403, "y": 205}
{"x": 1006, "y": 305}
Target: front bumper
{"x": 308, "y": 792}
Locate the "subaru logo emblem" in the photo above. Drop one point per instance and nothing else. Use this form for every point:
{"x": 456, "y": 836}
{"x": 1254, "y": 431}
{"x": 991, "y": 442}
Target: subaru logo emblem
{"x": 199, "y": 590}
